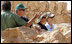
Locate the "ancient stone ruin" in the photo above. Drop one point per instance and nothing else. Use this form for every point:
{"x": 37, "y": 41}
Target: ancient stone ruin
{"x": 61, "y": 34}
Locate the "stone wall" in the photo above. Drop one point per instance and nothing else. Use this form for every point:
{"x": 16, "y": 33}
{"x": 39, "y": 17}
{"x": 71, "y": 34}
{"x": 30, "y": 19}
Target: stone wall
{"x": 60, "y": 34}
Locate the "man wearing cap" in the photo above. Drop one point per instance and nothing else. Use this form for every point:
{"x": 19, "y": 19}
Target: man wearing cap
{"x": 49, "y": 25}
{"x": 11, "y": 20}
{"x": 20, "y": 10}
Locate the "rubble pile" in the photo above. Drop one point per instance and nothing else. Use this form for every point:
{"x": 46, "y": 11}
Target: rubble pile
{"x": 18, "y": 35}
{"x": 60, "y": 34}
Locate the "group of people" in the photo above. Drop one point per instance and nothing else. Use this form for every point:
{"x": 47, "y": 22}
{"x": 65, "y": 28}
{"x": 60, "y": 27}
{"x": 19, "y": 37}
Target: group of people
{"x": 17, "y": 19}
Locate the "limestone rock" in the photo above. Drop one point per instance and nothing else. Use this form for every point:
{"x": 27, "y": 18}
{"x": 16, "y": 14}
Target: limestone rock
{"x": 18, "y": 35}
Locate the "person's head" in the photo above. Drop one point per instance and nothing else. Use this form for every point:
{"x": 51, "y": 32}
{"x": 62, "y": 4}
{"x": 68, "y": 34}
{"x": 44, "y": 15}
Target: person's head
{"x": 50, "y": 18}
{"x": 43, "y": 19}
{"x": 6, "y": 6}
{"x": 20, "y": 9}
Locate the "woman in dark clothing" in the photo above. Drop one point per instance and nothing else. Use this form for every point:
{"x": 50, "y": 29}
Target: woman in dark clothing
{"x": 41, "y": 23}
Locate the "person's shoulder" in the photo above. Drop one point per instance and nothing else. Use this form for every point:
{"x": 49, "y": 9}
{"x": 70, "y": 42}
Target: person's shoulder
{"x": 46, "y": 24}
{"x": 53, "y": 24}
{"x": 12, "y": 13}
{"x": 2, "y": 12}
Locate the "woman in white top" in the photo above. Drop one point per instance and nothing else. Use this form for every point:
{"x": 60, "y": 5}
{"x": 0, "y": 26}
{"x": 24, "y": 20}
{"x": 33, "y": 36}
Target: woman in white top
{"x": 49, "y": 25}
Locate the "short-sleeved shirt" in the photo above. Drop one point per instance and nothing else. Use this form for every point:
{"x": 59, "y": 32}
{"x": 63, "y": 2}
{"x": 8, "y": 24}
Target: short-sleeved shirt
{"x": 42, "y": 26}
{"x": 48, "y": 27}
{"x": 11, "y": 20}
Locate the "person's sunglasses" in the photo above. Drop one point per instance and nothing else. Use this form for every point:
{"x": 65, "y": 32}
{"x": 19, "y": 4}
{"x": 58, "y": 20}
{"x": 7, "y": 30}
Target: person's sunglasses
{"x": 22, "y": 9}
{"x": 43, "y": 17}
